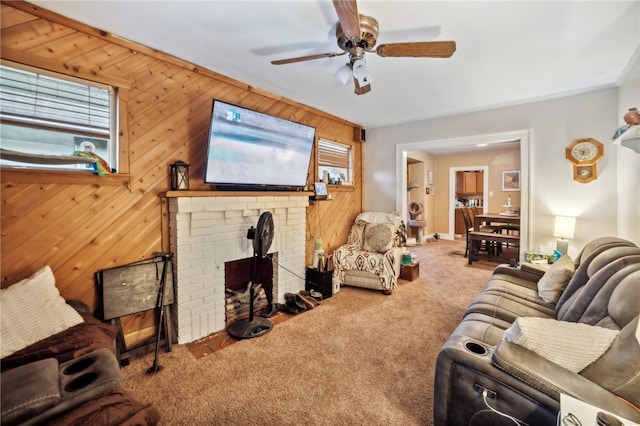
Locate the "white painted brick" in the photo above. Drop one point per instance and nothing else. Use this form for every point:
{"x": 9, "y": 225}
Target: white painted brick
{"x": 214, "y": 231}
{"x": 248, "y": 199}
{"x": 256, "y": 205}
{"x": 233, "y": 212}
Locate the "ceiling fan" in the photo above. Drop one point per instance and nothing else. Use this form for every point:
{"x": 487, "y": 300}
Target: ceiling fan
{"x": 357, "y": 34}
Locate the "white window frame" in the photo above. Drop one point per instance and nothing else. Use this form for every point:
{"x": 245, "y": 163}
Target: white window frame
{"x": 82, "y": 129}
{"x": 333, "y": 160}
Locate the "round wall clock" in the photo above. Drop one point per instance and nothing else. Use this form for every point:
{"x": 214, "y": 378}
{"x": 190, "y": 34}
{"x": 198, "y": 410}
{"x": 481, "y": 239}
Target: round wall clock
{"x": 584, "y": 151}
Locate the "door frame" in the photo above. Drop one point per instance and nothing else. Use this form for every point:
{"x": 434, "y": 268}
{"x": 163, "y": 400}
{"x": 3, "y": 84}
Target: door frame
{"x": 524, "y": 136}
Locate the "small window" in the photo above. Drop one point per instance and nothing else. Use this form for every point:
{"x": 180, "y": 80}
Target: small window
{"x": 334, "y": 161}
{"x": 47, "y": 117}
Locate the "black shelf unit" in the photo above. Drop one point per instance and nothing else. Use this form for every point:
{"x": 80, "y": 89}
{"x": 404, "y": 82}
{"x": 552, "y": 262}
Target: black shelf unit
{"x": 320, "y": 281}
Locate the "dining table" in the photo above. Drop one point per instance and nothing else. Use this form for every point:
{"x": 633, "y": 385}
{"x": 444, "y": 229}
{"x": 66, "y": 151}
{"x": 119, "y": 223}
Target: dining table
{"x": 512, "y": 220}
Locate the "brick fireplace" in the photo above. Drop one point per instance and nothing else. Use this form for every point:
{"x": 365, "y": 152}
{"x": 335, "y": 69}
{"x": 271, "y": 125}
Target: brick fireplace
{"x": 206, "y": 231}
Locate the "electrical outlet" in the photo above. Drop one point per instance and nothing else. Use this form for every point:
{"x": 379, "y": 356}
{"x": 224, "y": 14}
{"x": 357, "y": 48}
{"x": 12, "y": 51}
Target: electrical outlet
{"x": 481, "y": 389}
{"x": 490, "y": 193}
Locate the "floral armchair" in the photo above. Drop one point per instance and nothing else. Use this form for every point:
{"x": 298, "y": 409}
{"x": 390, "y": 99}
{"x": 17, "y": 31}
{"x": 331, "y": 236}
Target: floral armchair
{"x": 372, "y": 256}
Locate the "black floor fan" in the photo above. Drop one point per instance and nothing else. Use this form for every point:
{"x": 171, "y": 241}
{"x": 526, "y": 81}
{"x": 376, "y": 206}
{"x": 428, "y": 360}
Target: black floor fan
{"x": 262, "y": 237}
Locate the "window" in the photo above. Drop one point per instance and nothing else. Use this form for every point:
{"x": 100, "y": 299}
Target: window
{"x": 334, "y": 160}
{"x": 50, "y": 116}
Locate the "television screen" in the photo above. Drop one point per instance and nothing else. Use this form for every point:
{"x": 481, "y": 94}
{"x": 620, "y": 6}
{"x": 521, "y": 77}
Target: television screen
{"x": 251, "y": 150}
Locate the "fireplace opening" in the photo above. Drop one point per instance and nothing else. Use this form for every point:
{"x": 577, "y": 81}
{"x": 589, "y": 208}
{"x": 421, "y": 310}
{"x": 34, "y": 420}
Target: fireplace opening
{"x": 237, "y": 282}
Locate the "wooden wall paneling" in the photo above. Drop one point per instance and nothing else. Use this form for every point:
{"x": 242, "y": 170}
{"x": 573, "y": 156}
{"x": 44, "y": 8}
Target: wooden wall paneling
{"x": 10, "y": 17}
{"x": 29, "y": 242}
{"x": 17, "y": 196}
{"x": 45, "y": 212}
{"x": 23, "y": 57}
{"x": 80, "y": 225}
{"x": 102, "y": 58}
{"x": 148, "y": 117}
{"x": 67, "y": 46}
{"x": 40, "y": 31}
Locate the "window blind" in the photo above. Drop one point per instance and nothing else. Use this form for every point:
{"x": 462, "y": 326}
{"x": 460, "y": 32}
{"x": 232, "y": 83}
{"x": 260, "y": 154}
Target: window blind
{"x": 39, "y": 100}
{"x": 332, "y": 154}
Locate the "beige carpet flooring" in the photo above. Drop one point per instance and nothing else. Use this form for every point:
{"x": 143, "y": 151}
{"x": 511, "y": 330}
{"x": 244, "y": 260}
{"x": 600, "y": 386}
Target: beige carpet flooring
{"x": 360, "y": 358}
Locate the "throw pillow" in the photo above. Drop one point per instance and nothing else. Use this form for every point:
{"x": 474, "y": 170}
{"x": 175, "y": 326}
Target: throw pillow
{"x": 571, "y": 345}
{"x": 32, "y": 310}
{"x": 378, "y": 237}
{"x": 554, "y": 280}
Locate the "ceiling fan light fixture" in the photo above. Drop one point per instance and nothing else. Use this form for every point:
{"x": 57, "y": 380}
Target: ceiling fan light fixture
{"x": 344, "y": 74}
{"x": 361, "y": 72}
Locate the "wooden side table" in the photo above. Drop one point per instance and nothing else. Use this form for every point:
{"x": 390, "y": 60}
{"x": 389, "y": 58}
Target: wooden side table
{"x": 410, "y": 272}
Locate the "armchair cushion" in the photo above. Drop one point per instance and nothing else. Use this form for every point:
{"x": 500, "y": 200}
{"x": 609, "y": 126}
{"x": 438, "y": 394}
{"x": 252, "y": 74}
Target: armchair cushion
{"x": 378, "y": 237}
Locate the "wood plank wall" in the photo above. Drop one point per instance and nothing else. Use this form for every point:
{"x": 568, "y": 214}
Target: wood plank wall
{"x": 80, "y": 225}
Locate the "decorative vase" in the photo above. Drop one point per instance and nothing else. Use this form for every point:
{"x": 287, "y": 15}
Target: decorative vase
{"x": 632, "y": 118}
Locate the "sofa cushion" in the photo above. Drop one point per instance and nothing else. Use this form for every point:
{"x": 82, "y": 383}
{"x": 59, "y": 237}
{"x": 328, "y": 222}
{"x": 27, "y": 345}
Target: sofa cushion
{"x": 554, "y": 281}
{"x": 570, "y": 345}
{"x": 378, "y": 237}
{"x": 32, "y": 310}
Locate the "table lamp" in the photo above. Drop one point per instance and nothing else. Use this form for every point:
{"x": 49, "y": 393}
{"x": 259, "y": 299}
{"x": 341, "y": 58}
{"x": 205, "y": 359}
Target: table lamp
{"x": 563, "y": 229}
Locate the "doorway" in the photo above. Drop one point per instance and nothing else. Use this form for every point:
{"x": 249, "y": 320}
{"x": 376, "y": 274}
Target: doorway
{"x": 452, "y": 192}
{"x": 522, "y": 137}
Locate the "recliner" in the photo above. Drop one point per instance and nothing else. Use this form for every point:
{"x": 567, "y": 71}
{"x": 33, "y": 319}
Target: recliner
{"x": 372, "y": 256}
{"x": 604, "y": 291}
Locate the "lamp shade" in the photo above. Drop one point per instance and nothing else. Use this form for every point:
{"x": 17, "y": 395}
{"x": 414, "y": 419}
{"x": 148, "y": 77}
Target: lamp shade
{"x": 564, "y": 227}
{"x": 361, "y": 72}
{"x": 344, "y": 74}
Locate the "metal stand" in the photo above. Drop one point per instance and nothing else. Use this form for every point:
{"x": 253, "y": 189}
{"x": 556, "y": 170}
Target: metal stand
{"x": 251, "y": 327}
{"x": 160, "y": 305}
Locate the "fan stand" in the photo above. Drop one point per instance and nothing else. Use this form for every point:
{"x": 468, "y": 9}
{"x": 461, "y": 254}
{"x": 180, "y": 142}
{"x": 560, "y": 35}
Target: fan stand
{"x": 248, "y": 328}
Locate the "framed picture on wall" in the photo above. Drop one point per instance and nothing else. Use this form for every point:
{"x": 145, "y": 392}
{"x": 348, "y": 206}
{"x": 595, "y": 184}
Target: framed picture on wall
{"x": 511, "y": 180}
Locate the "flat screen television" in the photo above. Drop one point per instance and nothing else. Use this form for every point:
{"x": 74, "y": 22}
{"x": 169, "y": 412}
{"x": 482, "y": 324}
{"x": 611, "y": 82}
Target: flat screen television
{"x": 249, "y": 150}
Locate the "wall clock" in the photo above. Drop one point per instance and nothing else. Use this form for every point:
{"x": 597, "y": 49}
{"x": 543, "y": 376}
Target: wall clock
{"x": 584, "y": 151}
{"x": 585, "y": 173}
{"x": 584, "y": 154}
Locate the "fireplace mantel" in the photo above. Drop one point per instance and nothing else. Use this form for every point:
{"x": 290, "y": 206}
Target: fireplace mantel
{"x": 177, "y": 194}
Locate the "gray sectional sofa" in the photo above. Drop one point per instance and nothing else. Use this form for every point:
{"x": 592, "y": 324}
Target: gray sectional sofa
{"x": 534, "y": 333}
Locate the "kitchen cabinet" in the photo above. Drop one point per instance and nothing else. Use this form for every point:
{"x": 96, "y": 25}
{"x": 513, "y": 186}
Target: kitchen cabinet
{"x": 469, "y": 182}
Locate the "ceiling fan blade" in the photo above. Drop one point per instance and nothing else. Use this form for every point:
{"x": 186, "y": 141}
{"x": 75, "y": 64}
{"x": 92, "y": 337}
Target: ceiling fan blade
{"x": 347, "y": 11}
{"x": 421, "y": 49}
{"x": 361, "y": 90}
{"x": 306, "y": 58}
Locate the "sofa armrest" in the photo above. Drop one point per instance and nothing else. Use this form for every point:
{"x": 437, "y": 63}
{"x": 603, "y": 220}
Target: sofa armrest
{"x": 552, "y": 379}
{"x": 525, "y": 272}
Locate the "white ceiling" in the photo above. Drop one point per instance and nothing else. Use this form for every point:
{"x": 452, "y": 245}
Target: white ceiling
{"x": 508, "y": 52}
